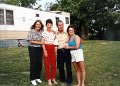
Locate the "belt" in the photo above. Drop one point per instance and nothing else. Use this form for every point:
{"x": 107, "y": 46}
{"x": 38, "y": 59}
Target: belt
{"x": 62, "y": 49}
{"x": 49, "y": 44}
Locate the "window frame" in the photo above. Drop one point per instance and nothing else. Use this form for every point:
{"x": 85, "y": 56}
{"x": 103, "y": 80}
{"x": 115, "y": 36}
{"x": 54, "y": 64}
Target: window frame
{"x": 2, "y": 19}
{"x": 37, "y": 15}
{"x": 57, "y": 18}
{"x": 8, "y": 18}
{"x": 67, "y": 20}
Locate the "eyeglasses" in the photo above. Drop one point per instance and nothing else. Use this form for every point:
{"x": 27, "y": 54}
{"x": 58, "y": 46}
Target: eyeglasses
{"x": 70, "y": 30}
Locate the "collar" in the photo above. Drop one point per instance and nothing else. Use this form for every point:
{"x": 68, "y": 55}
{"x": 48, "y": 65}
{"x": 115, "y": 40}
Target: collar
{"x": 34, "y": 31}
{"x": 61, "y": 32}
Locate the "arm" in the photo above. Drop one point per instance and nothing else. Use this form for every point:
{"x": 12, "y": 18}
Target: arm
{"x": 44, "y": 49}
{"x": 80, "y": 41}
{"x": 30, "y": 39}
{"x": 35, "y": 42}
{"x": 43, "y": 46}
{"x": 56, "y": 50}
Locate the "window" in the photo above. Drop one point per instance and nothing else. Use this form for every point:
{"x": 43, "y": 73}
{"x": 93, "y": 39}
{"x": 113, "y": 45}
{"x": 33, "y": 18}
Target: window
{"x": 6, "y": 17}
{"x": 23, "y": 18}
{"x": 1, "y": 17}
{"x": 57, "y": 18}
{"x": 37, "y": 15}
{"x": 67, "y": 20}
{"x": 9, "y": 17}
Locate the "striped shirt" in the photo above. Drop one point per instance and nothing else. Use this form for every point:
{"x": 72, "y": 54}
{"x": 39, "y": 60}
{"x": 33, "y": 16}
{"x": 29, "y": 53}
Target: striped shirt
{"x": 34, "y": 36}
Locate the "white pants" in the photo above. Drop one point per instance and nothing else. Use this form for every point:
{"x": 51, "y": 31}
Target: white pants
{"x": 77, "y": 55}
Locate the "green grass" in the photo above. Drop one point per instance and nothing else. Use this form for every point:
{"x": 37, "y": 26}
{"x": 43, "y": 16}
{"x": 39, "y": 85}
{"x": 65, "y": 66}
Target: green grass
{"x": 102, "y": 61}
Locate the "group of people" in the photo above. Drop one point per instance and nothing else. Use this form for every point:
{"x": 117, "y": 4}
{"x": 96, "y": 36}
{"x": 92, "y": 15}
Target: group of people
{"x": 68, "y": 50}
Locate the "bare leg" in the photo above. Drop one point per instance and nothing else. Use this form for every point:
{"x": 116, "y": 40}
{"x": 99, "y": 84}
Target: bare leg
{"x": 77, "y": 72}
{"x": 49, "y": 82}
{"x": 82, "y": 70}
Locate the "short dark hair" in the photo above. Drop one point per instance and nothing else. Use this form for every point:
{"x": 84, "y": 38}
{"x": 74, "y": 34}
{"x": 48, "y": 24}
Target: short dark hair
{"x": 71, "y": 26}
{"x": 58, "y": 21}
{"x": 49, "y": 21}
{"x": 33, "y": 26}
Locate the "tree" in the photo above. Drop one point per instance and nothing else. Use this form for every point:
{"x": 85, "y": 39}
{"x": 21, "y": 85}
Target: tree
{"x": 38, "y": 8}
{"x": 14, "y": 2}
{"x": 27, "y": 3}
{"x": 83, "y": 12}
{"x": 23, "y": 3}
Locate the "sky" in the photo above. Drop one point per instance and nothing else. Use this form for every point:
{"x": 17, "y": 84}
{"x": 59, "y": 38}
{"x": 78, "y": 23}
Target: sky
{"x": 43, "y": 3}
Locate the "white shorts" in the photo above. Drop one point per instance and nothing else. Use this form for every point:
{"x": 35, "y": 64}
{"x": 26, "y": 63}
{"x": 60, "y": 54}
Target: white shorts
{"x": 77, "y": 55}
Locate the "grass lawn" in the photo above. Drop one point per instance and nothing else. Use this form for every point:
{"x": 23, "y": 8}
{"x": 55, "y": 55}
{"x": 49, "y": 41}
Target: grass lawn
{"x": 102, "y": 61}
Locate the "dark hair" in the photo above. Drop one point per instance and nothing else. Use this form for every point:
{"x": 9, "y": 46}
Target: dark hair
{"x": 71, "y": 26}
{"x": 58, "y": 21}
{"x": 33, "y": 26}
{"x": 49, "y": 21}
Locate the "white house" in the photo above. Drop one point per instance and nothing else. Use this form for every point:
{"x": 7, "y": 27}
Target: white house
{"x": 15, "y": 21}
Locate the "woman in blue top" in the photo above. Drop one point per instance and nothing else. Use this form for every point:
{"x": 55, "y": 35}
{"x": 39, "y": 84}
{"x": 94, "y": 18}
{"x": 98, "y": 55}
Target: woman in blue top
{"x": 75, "y": 44}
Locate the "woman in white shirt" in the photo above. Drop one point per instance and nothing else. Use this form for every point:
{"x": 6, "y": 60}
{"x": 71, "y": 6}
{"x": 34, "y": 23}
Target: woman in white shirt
{"x": 49, "y": 53}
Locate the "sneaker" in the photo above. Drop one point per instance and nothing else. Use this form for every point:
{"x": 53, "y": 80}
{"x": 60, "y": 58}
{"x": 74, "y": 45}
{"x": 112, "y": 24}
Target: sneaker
{"x": 38, "y": 80}
{"x": 33, "y": 82}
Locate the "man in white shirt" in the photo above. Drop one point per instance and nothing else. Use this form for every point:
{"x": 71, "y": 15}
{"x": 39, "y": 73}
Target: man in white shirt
{"x": 63, "y": 55}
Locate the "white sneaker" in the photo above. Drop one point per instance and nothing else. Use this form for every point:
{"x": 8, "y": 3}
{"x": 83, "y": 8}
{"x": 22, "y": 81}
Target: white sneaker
{"x": 38, "y": 80}
{"x": 33, "y": 82}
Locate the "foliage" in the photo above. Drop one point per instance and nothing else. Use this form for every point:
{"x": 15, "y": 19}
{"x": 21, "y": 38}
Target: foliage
{"x": 23, "y": 3}
{"x": 83, "y": 12}
{"x": 14, "y": 2}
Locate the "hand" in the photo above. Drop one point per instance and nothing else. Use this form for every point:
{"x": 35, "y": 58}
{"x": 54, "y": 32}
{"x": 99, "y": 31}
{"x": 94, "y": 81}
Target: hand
{"x": 41, "y": 42}
{"x": 55, "y": 51}
{"x": 55, "y": 32}
{"x": 45, "y": 54}
{"x": 66, "y": 47}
